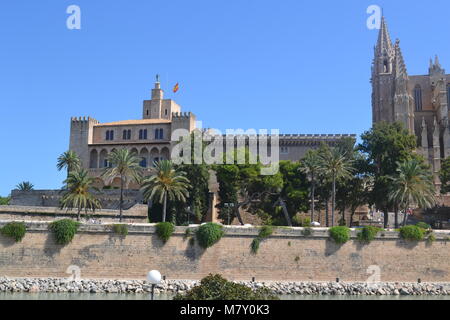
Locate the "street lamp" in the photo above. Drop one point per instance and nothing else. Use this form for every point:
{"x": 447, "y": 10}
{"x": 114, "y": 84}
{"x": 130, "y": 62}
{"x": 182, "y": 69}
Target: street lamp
{"x": 154, "y": 278}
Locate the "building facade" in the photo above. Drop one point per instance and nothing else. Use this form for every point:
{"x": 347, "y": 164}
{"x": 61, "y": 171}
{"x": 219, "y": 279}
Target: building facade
{"x": 150, "y": 137}
{"x": 419, "y": 102}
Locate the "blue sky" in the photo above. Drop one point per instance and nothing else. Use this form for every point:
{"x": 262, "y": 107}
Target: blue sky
{"x": 297, "y": 66}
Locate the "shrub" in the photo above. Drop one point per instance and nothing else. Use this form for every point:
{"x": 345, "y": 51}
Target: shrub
{"x": 412, "y": 233}
{"x": 423, "y": 225}
{"x": 215, "y": 287}
{"x": 431, "y": 238}
{"x": 209, "y": 234}
{"x": 254, "y": 246}
{"x": 64, "y": 230}
{"x": 340, "y": 234}
{"x": 164, "y": 230}
{"x": 264, "y": 233}
{"x": 368, "y": 233}
{"x": 120, "y": 229}
{"x": 14, "y": 230}
{"x": 307, "y": 231}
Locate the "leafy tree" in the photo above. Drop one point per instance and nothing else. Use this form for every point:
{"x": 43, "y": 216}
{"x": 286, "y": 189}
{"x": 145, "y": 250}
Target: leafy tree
{"x": 78, "y": 193}
{"x": 444, "y": 176}
{"x": 413, "y": 184}
{"x": 25, "y": 186}
{"x": 215, "y": 287}
{"x": 68, "y": 160}
{"x": 125, "y": 165}
{"x": 166, "y": 183}
{"x": 4, "y": 201}
{"x": 385, "y": 145}
{"x": 336, "y": 165}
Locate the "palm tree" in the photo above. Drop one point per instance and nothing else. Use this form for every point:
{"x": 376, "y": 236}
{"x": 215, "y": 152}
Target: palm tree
{"x": 25, "y": 186}
{"x": 124, "y": 165}
{"x": 77, "y": 194}
{"x": 68, "y": 160}
{"x": 310, "y": 165}
{"x": 164, "y": 184}
{"x": 413, "y": 184}
{"x": 336, "y": 165}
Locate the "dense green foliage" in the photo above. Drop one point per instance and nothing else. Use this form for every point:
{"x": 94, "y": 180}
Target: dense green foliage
{"x": 4, "y": 201}
{"x": 64, "y": 230}
{"x": 214, "y": 287}
{"x": 164, "y": 230}
{"x": 412, "y": 233}
{"x": 368, "y": 233}
{"x": 386, "y": 145}
{"x": 120, "y": 229}
{"x": 340, "y": 234}
{"x": 209, "y": 234}
{"x": 444, "y": 176}
{"x": 423, "y": 225}
{"x": 14, "y": 230}
{"x": 264, "y": 233}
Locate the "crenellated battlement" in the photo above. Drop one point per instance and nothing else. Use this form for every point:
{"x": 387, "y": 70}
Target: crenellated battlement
{"x": 84, "y": 120}
{"x": 181, "y": 115}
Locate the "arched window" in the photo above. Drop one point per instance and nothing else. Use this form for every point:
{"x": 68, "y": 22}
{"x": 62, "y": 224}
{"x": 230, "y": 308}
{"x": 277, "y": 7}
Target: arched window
{"x": 141, "y": 134}
{"x": 418, "y": 97}
{"x": 111, "y": 135}
{"x": 161, "y": 134}
{"x": 124, "y": 136}
{"x": 145, "y": 134}
{"x": 143, "y": 163}
{"x": 156, "y": 134}
{"x": 107, "y": 135}
{"x": 129, "y": 135}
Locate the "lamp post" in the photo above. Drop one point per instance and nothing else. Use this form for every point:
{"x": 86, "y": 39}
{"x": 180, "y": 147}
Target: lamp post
{"x": 154, "y": 278}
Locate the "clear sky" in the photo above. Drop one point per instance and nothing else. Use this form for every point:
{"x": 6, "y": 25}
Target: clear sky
{"x": 297, "y": 66}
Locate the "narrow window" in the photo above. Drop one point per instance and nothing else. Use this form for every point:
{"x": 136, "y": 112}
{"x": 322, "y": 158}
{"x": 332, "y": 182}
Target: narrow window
{"x": 156, "y": 134}
{"x": 140, "y": 134}
{"x": 161, "y": 134}
{"x": 143, "y": 163}
{"x": 124, "y": 135}
{"x": 166, "y": 112}
{"x": 418, "y": 97}
{"x": 111, "y": 135}
{"x": 448, "y": 95}
{"x": 145, "y": 134}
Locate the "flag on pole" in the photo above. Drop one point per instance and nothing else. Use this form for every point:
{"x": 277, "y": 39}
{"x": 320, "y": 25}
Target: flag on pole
{"x": 176, "y": 88}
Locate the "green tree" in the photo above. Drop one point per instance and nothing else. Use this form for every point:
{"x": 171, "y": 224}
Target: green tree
{"x": 310, "y": 165}
{"x": 336, "y": 165}
{"x": 68, "y": 160}
{"x": 413, "y": 184}
{"x": 166, "y": 183}
{"x": 25, "y": 186}
{"x": 4, "y": 201}
{"x": 444, "y": 176}
{"x": 78, "y": 195}
{"x": 385, "y": 145}
{"x": 124, "y": 165}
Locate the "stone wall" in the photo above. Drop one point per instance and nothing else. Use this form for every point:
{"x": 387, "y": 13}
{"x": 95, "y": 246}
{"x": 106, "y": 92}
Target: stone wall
{"x": 285, "y": 256}
{"x": 50, "y": 198}
{"x": 136, "y": 214}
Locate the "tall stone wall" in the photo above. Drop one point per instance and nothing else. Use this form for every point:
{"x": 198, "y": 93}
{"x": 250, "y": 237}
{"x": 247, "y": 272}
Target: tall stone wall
{"x": 285, "y": 256}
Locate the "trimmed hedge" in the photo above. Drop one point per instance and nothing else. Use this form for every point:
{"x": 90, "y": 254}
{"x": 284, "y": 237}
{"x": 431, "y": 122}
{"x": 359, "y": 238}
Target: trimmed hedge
{"x": 412, "y": 233}
{"x": 64, "y": 230}
{"x": 164, "y": 230}
{"x": 120, "y": 229}
{"x": 14, "y": 230}
{"x": 368, "y": 233}
{"x": 209, "y": 234}
{"x": 423, "y": 225}
{"x": 340, "y": 234}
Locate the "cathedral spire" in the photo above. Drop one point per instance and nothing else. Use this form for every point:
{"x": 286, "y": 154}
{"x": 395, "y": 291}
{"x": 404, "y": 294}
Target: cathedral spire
{"x": 384, "y": 43}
